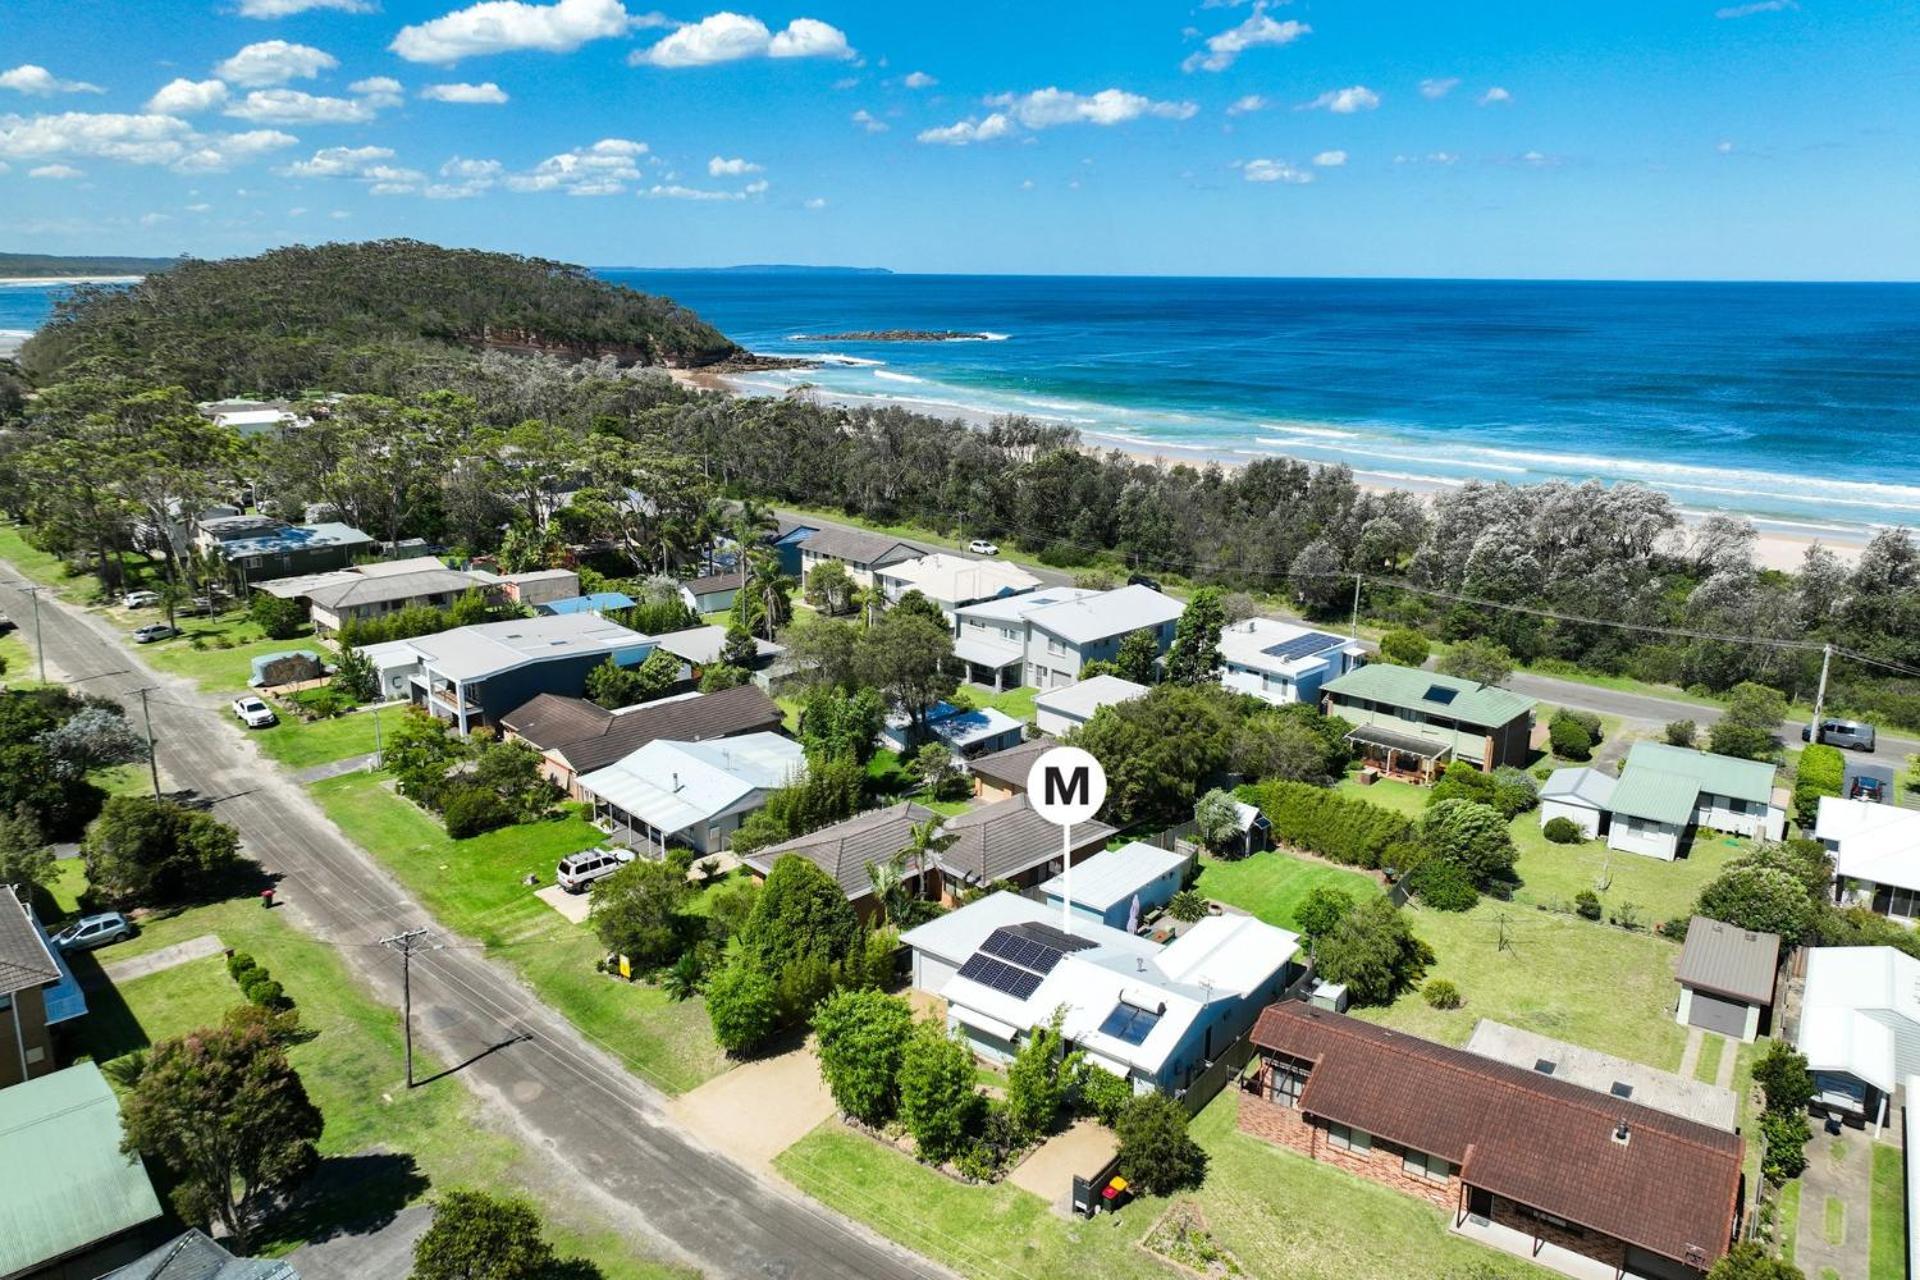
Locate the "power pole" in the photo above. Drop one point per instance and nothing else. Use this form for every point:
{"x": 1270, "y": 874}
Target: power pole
{"x": 1819, "y": 697}
{"x": 1354, "y": 622}
{"x": 406, "y": 944}
{"x": 153, "y": 763}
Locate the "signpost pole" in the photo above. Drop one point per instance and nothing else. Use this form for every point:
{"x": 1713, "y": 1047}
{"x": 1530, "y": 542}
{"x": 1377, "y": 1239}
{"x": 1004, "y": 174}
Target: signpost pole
{"x": 1066, "y": 877}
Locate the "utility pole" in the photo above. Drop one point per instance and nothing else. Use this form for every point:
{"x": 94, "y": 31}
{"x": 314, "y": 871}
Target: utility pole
{"x": 1819, "y": 697}
{"x": 406, "y": 944}
{"x": 376, "y": 735}
{"x": 1354, "y": 622}
{"x": 153, "y": 764}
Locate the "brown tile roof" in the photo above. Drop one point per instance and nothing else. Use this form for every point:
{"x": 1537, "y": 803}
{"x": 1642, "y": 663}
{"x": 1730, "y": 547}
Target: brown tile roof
{"x": 716, "y": 582}
{"x": 24, "y": 959}
{"x": 1671, "y": 1188}
{"x": 589, "y": 738}
{"x": 845, "y": 849}
{"x": 1730, "y": 962}
{"x": 1009, "y": 768}
{"x": 1000, "y": 840}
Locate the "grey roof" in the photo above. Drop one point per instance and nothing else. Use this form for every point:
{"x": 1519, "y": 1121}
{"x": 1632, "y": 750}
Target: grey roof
{"x": 1081, "y": 699}
{"x": 860, "y": 547}
{"x": 194, "y": 1256}
{"x": 1009, "y": 768}
{"x": 382, "y": 588}
{"x": 1004, "y": 839}
{"x": 25, "y": 960}
{"x": 476, "y": 652}
{"x": 1108, "y": 613}
{"x": 715, "y": 582}
{"x": 588, "y": 737}
{"x": 846, "y": 849}
{"x": 1727, "y": 961}
{"x": 701, "y": 645}
{"x": 1011, "y": 609}
{"x": 1113, "y": 876}
{"x": 1580, "y": 784}
{"x": 1425, "y": 745}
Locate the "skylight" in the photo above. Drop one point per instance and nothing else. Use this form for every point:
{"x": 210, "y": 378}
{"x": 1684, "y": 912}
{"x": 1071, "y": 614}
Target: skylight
{"x": 1543, "y": 1065}
{"x": 1621, "y": 1089}
{"x": 1130, "y": 1023}
{"x": 1441, "y": 694}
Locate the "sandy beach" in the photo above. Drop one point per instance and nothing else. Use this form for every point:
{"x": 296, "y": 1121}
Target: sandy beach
{"x": 1775, "y": 549}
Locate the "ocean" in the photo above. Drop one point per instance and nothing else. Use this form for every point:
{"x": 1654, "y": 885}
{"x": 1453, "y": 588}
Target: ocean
{"x": 1795, "y": 404}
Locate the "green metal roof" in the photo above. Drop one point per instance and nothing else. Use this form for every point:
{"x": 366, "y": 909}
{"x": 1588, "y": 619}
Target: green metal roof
{"x": 63, "y": 1182}
{"x": 1655, "y": 796}
{"x": 1720, "y": 775}
{"x": 1437, "y": 695}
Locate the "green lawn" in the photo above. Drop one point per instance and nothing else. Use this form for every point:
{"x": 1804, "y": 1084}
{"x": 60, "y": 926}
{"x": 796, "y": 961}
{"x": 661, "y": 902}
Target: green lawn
{"x": 1402, "y": 797}
{"x": 1016, "y": 702}
{"x": 1835, "y": 1225}
{"x": 1788, "y": 1216}
{"x": 1272, "y": 885}
{"x": 1554, "y": 873}
{"x": 384, "y": 1145}
{"x": 219, "y": 670}
{"x": 1887, "y": 1214}
{"x": 1559, "y": 976}
{"x": 299, "y": 744}
{"x": 473, "y": 888}
{"x": 1711, "y": 1047}
{"x": 1279, "y": 1213}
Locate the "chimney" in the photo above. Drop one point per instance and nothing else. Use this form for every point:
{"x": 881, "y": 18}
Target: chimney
{"x": 676, "y": 781}
{"x": 1621, "y": 1133}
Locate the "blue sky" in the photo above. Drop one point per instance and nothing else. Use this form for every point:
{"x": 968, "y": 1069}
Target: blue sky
{"x": 1670, "y": 139}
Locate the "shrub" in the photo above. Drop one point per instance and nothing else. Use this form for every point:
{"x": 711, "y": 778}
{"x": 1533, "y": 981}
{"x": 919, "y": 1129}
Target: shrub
{"x": 1471, "y": 834}
{"x": 1569, "y": 738}
{"x": 1374, "y": 951}
{"x": 1039, "y": 1080}
{"x": 1822, "y": 772}
{"x": 1563, "y": 831}
{"x": 938, "y": 1101}
{"x": 1157, "y": 1154}
{"x": 323, "y": 703}
{"x": 1587, "y": 903}
{"x": 1101, "y": 1094}
{"x": 1341, "y": 828}
{"x": 1405, "y": 648}
{"x": 1440, "y": 993}
{"x": 473, "y": 810}
{"x": 743, "y": 1005}
{"x": 265, "y": 992}
{"x": 860, "y": 1036}
{"x": 1444, "y": 885}
{"x": 1786, "y": 1134}
{"x": 1187, "y": 906}
{"x": 1514, "y": 791}
{"x": 238, "y": 963}
{"x": 1680, "y": 733}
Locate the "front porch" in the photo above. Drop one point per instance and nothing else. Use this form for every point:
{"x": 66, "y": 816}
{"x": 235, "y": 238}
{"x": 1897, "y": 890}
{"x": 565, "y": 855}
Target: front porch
{"x": 1497, "y": 1226}
{"x": 1400, "y": 753}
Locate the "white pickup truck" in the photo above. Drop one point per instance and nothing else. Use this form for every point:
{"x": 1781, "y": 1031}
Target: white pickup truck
{"x": 254, "y": 713}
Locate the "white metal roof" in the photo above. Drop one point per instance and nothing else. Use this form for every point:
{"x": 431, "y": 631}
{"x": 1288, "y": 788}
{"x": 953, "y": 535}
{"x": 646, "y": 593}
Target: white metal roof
{"x": 1106, "y": 613}
{"x": 958, "y": 934}
{"x": 1227, "y": 954}
{"x": 476, "y": 652}
{"x": 1012, "y": 609}
{"x": 1113, "y": 876}
{"x": 1877, "y": 842}
{"x": 677, "y": 785}
{"x": 1850, "y": 990}
{"x": 1848, "y": 1042}
{"x": 1080, "y": 700}
{"x": 954, "y": 579}
{"x": 1246, "y": 644}
{"x": 1579, "y": 784}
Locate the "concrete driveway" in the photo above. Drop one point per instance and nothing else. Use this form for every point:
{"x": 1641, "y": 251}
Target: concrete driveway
{"x": 384, "y": 1251}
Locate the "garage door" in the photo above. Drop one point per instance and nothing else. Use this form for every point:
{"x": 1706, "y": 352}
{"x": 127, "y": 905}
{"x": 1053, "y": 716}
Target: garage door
{"x": 1717, "y": 1013}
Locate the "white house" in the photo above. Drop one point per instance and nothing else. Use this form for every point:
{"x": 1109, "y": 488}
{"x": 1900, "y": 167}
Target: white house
{"x": 1063, "y": 638}
{"x": 691, "y": 793}
{"x": 1582, "y": 795}
{"x": 861, "y": 552}
{"x": 1281, "y": 662}
{"x": 976, "y": 731}
{"x": 1155, "y": 1016}
{"x": 1666, "y": 791}
{"x": 952, "y": 581}
{"x": 991, "y": 637}
{"x": 1860, "y": 1027}
{"x": 1876, "y": 855}
{"x": 1058, "y": 711}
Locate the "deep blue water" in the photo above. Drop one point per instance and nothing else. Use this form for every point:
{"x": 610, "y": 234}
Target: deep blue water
{"x": 1796, "y": 403}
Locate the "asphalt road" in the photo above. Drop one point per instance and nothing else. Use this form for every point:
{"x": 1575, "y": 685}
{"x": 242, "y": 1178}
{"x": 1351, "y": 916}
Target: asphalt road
{"x": 568, "y": 1098}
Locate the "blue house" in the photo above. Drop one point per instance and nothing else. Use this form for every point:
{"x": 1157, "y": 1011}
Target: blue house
{"x": 1106, "y": 886}
{"x": 786, "y": 545}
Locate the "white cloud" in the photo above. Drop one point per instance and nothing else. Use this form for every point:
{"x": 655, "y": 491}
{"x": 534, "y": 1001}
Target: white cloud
{"x": 730, "y": 37}
{"x": 962, "y": 132}
{"x": 56, "y": 172}
{"x": 758, "y": 187}
{"x": 498, "y": 26}
{"x": 1257, "y": 30}
{"x": 379, "y": 92}
{"x": 1748, "y": 10}
{"x": 918, "y": 80}
{"x": 470, "y": 170}
{"x": 287, "y": 8}
{"x": 133, "y": 139}
{"x": 1432, "y": 157}
{"x": 1539, "y": 160}
{"x": 183, "y": 97}
{"x": 1495, "y": 95}
{"x": 1343, "y": 102}
{"x": 721, "y": 167}
{"x": 1724, "y": 146}
{"x": 275, "y": 62}
{"x": 1247, "y": 103}
{"x": 1330, "y": 159}
{"x": 337, "y": 162}
{"x": 466, "y": 178}
{"x": 676, "y": 192}
{"x": 816, "y": 202}
{"x": 293, "y": 106}
{"x": 39, "y": 82}
{"x": 1044, "y": 108}
{"x": 218, "y": 154}
{"x": 485, "y": 93}
{"x": 602, "y": 169}
{"x": 339, "y": 215}
{"x": 1274, "y": 171}
{"x": 866, "y": 120}
{"x": 847, "y": 82}
{"x": 1434, "y": 88}
{"x": 200, "y": 208}
{"x": 154, "y": 219}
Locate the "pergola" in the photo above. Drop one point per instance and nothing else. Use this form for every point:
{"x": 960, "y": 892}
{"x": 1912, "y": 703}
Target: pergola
{"x": 1401, "y": 752}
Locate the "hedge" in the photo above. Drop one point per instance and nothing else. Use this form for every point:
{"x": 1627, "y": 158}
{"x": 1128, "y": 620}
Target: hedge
{"x": 1822, "y": 772}
{"x": 1341, "y": 828}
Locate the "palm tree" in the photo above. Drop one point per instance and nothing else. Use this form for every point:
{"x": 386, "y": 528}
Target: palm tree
{"x": 923, "y": 841}
{"x": 752, "y": 521}
{"x": 888, "y": 880}
{"x": 772, "y": 592}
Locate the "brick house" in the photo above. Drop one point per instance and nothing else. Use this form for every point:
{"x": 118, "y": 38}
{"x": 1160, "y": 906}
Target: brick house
{"x": 1534, "y": 1165}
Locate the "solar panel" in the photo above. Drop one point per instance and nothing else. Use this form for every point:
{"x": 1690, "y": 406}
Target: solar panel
{"x": 1621, "y": 1089}
{"x": 1301, "y": 646}
{"x": 1130, "y": 1023}
{"x": 999, "y": 975}
{"x": 1441, "y": 694}
{"x": 1032, "y": 946}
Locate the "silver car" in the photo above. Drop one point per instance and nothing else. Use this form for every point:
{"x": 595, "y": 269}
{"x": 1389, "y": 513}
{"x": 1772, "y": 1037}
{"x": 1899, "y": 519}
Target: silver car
{"x": 89, "y": 932}
{"x": 1854, "y": 735}
{"x": 577, "y": 871}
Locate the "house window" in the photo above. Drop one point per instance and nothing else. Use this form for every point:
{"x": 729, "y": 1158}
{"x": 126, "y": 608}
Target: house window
{"x": 1055, "y": 646}
{"x": 1285, "y": 1081}
{"x": 1421, "y": 1165}
{"x": 1895, "y": 902}
{"x": 1552, "y": 1220}
{"x": 1345, "y": 1138}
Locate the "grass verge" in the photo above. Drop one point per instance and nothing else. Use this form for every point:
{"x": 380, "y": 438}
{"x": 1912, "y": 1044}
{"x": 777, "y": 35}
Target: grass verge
{"x": 1887, "y": 1214}
{"x": 301, "y": 744}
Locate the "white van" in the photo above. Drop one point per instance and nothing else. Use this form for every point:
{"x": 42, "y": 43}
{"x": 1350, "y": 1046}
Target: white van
{"x": 577, "y": 871}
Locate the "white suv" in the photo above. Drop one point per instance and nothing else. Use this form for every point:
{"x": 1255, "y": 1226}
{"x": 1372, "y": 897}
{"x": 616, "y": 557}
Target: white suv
{"x": 254, "y": 713}
{"x": 577, "y": 871}
{"x": 981, "y": 547}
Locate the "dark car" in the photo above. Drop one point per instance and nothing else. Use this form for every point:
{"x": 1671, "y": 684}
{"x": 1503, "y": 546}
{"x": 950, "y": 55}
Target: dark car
{"x": 1867, "y": 787}
{"x": 1142, "y": 580}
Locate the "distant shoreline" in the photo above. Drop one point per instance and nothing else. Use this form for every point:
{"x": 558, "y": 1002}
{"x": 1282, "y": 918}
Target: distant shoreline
{"x": 68, "y": 280}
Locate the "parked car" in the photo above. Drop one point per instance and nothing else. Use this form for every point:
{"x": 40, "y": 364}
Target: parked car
{"x": 140, "y": 599}
{"x": 1867, "y": 787}
{"x": 981, "y": 547}
{"x": 89, "y": 932}
{"x": 1855, "y": 734}
{"x": 1142, "y": 580}
{"x": 577, "y": 871}
{"x": 254, "y": 713}
{"x": 6, "y": 624}
{"x": 155, "y": 631}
